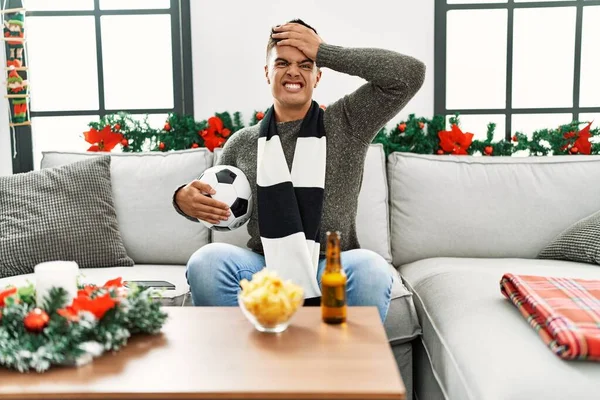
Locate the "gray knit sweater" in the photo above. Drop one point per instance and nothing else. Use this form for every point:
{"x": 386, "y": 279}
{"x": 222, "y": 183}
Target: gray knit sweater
{"x": 351, "y": 123}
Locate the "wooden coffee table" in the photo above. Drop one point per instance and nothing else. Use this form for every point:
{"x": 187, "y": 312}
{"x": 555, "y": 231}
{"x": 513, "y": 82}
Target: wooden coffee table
{"x": 215, "y": 353}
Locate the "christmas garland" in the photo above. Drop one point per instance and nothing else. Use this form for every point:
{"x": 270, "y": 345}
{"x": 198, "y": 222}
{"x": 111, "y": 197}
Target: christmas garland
{"x": 415, "y": 135}
{"x": 100, "y": 318}
{"x": 430, "y": 136}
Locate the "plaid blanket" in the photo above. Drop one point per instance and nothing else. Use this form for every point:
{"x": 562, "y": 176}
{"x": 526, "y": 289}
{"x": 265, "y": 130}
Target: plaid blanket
{"x": 564, "y": 312}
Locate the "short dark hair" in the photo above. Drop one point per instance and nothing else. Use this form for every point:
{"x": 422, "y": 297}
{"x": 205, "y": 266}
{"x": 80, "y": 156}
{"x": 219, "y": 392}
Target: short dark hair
{"x": 272, "y": 42}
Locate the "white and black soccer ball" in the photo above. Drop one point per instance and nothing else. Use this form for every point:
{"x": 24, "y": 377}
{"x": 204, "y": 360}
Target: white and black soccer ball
{"x": 232, "y": 188}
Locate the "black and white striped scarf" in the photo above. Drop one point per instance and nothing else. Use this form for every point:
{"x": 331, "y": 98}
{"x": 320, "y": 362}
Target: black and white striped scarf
{"x": 290, "y": 204}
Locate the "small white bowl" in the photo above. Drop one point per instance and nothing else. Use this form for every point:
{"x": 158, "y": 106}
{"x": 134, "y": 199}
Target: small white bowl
{"x": 277, "y": 327}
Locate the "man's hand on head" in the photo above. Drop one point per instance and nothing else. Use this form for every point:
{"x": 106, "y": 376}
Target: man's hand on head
{"x": 300, "y": 37}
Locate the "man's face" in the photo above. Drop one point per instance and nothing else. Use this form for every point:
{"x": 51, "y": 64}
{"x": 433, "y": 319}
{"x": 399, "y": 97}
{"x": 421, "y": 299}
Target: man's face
{"x": 291, "y": 75}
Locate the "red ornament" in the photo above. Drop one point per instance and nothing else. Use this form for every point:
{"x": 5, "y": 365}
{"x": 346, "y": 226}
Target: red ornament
{"x": 195, "y": 145}
{"x": 488, "y": 150}
{"x": 125, "y": 143}
{"x": 402, "y": 127}
{"x": 260, "y": 115}
{"x": 514, "y": 138}
{"x": 574, "y": 150}
{"x": 161, "y": 146}
{"x": 117, "y": 127}
{"x": 440, "y": 152}
{"x": 455, "y": 141}
{"x": 421, "y": 125}
{"x": 36, "y": 320}
{"x": 167, "y": 127}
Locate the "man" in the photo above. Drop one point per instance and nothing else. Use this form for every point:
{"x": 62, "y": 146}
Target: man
{"x": 295, "y": 56}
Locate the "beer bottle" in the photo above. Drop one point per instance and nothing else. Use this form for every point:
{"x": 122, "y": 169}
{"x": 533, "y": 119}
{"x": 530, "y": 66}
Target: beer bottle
{"x": 333, "y": 283}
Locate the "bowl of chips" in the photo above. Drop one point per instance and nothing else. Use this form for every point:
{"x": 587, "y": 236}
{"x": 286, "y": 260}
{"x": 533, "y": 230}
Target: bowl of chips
{"x": 268, "y": 302}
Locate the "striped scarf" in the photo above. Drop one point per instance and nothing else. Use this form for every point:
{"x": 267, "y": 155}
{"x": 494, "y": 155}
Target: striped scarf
{"x": 290, "y": 204}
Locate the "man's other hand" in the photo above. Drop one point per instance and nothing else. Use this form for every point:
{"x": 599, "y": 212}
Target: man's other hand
{"x": 194, "y": 200}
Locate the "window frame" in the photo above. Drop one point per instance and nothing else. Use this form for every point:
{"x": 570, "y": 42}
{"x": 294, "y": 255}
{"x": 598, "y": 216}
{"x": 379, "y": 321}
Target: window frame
{"x": 22, "y": 140}
{"x": 441, "y": 11}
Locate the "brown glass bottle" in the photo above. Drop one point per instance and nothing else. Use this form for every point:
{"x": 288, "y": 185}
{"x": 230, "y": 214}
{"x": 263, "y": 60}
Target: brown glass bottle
{"x": 333, "y": 283}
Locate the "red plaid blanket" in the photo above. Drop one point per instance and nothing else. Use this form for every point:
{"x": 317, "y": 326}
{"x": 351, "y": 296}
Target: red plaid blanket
{"x": 564, "y": 312}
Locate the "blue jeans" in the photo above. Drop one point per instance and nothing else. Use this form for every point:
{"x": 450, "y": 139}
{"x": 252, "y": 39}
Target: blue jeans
{"x": 214, "y": 273}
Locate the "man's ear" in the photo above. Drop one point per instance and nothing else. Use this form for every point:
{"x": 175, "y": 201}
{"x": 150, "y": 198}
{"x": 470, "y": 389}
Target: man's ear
{"x": 318, "y": 76}
{"x": 267, "y": 74}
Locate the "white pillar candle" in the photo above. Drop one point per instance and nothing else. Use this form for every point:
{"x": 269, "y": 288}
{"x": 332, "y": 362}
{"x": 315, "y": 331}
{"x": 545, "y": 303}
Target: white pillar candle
{"x": 58, "y": 274}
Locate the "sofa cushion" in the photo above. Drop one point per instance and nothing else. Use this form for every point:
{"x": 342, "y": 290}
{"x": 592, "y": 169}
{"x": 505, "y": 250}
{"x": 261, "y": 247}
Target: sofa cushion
{"x": 479, "y": 345}
{"x": 171, "y": 273}
{"x": 372, "y": 219}
{"x": 579, "y": 242}
{"x": 143, "y": 186}
{"x": 63, "y": 213}
{"x": 401, "y": 324}
{"x": 463, "y": 206}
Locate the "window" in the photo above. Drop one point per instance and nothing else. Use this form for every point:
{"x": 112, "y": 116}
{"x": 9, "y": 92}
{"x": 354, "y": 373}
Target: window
{"x": 523, "y": 64}
{"x": 90, "y": 58}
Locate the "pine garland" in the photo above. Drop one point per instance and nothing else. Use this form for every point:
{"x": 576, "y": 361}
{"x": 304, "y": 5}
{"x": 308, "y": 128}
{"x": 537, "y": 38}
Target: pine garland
{"x": 414, "y": 135}
{"x": 36, "y": 337}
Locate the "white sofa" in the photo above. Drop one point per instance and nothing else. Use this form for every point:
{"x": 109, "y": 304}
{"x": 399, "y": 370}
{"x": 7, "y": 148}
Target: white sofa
{"x": 460, "y": 223}
{"x": 451, "y": 225}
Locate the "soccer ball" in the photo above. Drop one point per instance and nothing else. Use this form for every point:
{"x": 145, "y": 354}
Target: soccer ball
{"x": 232, "y": 188}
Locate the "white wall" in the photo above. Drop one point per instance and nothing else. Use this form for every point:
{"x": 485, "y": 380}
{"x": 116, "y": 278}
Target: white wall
{"x": 229, "y": 38}
{"x": 5, "y": 148}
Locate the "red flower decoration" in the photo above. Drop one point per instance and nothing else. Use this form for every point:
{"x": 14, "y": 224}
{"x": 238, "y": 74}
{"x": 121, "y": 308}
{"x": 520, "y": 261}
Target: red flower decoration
{"x": 86, "y": 291}
{"x": 114, "y": 283}
{"x": 97, "y": 306}
{"x": 583, "y": 140}
{"x": 6, "y": 293}
{"x": 214, "y": 136}
{"x": 104, "y": 140}
{"x": 69, "y": 313}
{"x": 581, "y": 144}
{"x": 455, "y": 141}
